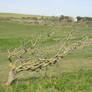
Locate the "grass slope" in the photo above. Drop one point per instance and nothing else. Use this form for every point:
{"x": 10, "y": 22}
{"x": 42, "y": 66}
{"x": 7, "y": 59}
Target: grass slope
{"x": 14, "y": 15}
{"x": 71, "y": 74}
{"x": 69, "y": 82}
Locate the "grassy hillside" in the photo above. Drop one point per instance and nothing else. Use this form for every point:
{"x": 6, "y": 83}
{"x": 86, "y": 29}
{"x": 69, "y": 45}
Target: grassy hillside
{"x": 6, "y": 15}
{"x": 71, "y": 74}
{"x": 27, "y": 19}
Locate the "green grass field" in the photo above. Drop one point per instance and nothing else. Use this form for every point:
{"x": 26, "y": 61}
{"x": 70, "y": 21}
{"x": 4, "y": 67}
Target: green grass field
{"x": 6, "y": 15}
{"x": 71, "y": 74}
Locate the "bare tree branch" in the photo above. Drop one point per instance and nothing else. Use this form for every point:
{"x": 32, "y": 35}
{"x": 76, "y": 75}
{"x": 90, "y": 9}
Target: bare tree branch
{"x": 23, "y": 64}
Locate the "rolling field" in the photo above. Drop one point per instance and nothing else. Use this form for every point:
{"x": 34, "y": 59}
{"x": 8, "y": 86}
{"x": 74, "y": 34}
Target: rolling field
{"x": 7, "y": 15}
{"x": 71, "y": 74}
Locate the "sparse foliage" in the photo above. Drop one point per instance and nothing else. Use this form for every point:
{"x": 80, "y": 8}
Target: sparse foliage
{"x": 19, "y": 63}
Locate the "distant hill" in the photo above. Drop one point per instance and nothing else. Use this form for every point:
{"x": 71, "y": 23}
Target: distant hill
{"x": 17, "y": 15}
{"x": 43, "y": 20}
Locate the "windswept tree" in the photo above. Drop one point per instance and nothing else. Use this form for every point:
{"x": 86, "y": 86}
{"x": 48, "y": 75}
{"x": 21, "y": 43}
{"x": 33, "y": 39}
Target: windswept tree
{"x": 19, "y": 60}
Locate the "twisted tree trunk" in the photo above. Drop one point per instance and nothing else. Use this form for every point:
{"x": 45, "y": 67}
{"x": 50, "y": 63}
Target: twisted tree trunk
{"x": 11, "y": 78}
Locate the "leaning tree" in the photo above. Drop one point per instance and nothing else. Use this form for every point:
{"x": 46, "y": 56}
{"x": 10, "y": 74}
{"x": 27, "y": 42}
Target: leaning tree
{"x": 19, "y": 62}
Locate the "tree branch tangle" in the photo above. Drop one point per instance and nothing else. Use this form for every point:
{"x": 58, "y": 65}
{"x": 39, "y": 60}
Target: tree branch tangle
{"x": 18, "y": 63}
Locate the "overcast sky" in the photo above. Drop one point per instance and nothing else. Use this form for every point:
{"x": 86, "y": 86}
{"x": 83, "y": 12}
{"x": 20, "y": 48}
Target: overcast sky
{"x": 48, "y": 7}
